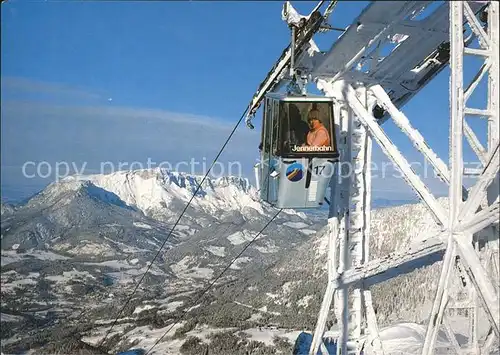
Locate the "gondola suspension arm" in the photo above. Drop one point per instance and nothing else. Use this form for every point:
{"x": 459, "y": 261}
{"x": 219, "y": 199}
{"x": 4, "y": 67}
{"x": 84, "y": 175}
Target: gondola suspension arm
{"x": 303, "y": 34}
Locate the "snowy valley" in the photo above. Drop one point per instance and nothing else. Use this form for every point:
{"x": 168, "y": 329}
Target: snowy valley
{"x": 73, "y": 254}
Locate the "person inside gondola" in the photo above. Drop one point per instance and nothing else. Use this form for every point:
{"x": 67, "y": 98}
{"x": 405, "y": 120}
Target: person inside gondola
{"x": 318, "y": 135}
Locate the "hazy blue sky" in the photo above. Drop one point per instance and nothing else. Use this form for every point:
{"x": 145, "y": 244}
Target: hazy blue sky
{"x": 125, "y": 81}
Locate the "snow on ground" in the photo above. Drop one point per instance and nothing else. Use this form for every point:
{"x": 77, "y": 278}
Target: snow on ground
{"x": 143, "y": 308}
{"x": 296, "y": 225}
{"x": 397, "y": 339}
{"x": 264, "y": 310}
{"x": 239, "y": 238}
{"x": 172, "y": 306}
{"x": 199, "y": 273}
{"x": 266, "y": 335}
{"x": 272, "y": 295}
{"x": 185, "y": 230}
{"x": 183, "y": 269}
{"x": 217, "y": 251}
{"x": 307, "y": 231}
{"x": 126, "y": 248}
{"x": 153, "y": 244}
{"x": 268, "y": 248}
{"x": 141, "y": 189}
{"x": 69, "y": 275}
{"x": 460, "y": 325}
{"x": 115, "y": 264}
{"x": 236, "y": 265}
{"x": 147, "y": 337}
{"x": 196, "y": 273}
{"x": 204, "y": 331}
{"x": 261, "y": 310}
{"x": 154, "y": 270}
{"x": 11, "y": 256}
{"x": 304, "y": 301}
{"x": 153, "y": 190}
{"x": 320, "y": 246}
{"x": 255, "y": 317}
{"x": 98, "y": 333}
{"x": 120, "y": 278}
{"x": 11, "y": 286}
{"x": 169, "y": 346}
{"x": 193, "y": 307}
{"x": 287, "y": 286}
{"x": 293, "y": 212}
{"x": 408, "y": 338}
{"x": 88, "y": 248}
{"x": 183, "y": 264}
{"x": 142, "y": 225}
{"x": 4, "y": 317}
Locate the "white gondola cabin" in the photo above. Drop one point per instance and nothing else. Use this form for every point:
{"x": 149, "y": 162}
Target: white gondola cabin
{"x": 298, "y": 150}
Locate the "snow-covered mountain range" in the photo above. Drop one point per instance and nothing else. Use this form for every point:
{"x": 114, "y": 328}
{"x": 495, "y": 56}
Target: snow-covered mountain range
{"x": 83, "y": 243}
{"x": 95, "y": 236}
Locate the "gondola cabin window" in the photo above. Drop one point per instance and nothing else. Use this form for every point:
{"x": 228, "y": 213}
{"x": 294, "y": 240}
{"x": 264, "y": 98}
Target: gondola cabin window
{"x": 266, "y": 131}
{"x": 307, "y": 129}
{"x": 276, "y": 132}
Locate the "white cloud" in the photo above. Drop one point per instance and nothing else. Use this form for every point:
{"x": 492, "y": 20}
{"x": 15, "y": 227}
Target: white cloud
{"x": 17, "y": 85}
{"x": 94, "y": 135}
{"x": 78, "y": 134}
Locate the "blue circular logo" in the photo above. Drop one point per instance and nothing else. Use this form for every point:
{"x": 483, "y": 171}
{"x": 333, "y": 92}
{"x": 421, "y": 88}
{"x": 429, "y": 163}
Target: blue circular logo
{"x": 294, "y": 172}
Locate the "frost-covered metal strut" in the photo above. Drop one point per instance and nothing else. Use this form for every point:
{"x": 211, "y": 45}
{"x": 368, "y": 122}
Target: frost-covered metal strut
{"x": 382, "y": 60}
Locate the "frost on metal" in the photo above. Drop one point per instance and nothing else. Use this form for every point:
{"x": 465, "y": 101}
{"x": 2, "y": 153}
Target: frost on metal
{"x": 290, "y": 15}
{"x": 389, "y": 53}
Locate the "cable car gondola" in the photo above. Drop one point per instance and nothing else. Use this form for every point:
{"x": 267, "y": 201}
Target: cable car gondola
{"x": 298, "y": 150}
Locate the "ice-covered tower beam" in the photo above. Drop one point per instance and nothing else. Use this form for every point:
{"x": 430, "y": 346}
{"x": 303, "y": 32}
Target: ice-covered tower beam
{"x": 357, "y": 69}
{"x": 466, "y": 213}
{"x": 389, "y": 53}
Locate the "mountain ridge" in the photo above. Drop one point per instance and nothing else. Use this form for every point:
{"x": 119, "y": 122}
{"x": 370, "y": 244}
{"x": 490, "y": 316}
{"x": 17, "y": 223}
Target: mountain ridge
{"x": 84, "y": 243}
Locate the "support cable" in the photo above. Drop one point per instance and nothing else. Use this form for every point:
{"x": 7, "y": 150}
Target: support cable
{"x": 214, "y": 281}
{"x": 175, "y": 225}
